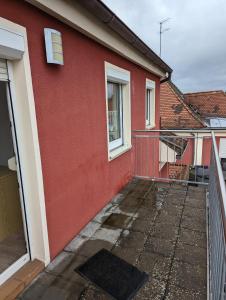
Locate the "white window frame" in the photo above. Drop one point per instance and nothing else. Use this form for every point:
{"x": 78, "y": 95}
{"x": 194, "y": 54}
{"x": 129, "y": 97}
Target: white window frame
{"x": 121, "y": 76}
{"x": 119, "y": 142}
{"x": 150, "y": 107}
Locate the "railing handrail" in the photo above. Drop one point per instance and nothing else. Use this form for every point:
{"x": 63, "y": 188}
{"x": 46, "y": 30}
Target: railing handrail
{"x": 203, "y": 130}
{"x": 173, "y": 136}
{"x": 221, "y": 181}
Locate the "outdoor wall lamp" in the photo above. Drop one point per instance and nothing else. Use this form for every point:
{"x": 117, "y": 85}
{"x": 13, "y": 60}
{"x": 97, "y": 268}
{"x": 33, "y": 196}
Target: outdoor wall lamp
{"x": 54, "y": 48}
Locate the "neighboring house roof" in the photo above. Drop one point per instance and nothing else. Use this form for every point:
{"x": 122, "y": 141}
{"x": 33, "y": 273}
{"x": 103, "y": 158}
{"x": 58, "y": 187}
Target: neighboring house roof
{"x": 174, "y": 112}
{"x": 108, "y": 28}
{"x": 207, "y": 104}
{"x": 178, "y": 144}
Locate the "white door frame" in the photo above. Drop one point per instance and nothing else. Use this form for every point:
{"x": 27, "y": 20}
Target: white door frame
{"x": 15, "y": 38}
{"x": 15, "y": 266}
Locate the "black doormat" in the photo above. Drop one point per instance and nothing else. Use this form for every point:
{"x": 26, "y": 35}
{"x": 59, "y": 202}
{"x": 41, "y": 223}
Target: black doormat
{"x": 113, "y": 275}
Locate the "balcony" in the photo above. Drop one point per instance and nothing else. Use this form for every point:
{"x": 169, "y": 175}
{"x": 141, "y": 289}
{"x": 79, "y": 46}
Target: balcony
{"x": 170, "y": 224}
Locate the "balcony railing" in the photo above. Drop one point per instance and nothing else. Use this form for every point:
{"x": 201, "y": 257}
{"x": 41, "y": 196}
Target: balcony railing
{"x": 217, "y": 227}
{"x": 191, "y": 157}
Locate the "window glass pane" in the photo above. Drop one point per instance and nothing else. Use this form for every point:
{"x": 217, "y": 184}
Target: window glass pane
{"x": 148, "y": 113}
{"x": 114, "y": 111}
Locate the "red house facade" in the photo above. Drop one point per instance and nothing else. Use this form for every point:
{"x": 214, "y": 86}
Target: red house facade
{"x": 72, "y": 123}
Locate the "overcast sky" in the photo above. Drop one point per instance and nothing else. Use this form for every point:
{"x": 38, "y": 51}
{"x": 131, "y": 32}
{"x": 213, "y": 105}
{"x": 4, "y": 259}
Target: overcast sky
{"x": 195, "y": 45}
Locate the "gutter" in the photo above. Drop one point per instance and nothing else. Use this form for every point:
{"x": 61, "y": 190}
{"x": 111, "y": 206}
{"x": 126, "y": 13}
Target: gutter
{"x": 167, "y": 78}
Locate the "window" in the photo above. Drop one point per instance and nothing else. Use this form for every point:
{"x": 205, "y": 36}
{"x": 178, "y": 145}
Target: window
{"x": 118, "y": 110}
{"x": 150, "y": 104}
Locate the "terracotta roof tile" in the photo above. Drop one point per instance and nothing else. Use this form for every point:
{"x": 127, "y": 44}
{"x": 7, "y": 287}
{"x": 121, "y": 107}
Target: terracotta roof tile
{"x": 207, "y": 104}
{"x": 174, "y": 112}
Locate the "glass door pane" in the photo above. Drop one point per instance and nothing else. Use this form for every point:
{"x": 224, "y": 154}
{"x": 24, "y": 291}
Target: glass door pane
{"x": 12, "y": 236}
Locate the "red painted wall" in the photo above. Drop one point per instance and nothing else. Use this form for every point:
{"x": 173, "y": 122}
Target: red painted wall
{"x": 146, "y": 154}
{"x": 206, "y": 150}
{"x": 188, "y": 154}
{"x": 71, "y": 116}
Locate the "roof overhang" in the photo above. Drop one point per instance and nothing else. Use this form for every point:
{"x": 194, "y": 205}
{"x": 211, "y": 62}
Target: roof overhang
{"x": 98, "y": 24}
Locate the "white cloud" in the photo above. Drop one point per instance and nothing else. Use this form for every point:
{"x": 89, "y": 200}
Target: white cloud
{"x": 195, "y": 45}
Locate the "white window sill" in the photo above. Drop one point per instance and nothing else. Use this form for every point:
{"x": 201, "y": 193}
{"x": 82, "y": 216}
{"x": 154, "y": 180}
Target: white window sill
{"x": 119, "y": 151}
{"x": 150, "y": 126}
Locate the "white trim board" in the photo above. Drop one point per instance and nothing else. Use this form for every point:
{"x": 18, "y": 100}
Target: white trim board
{"x": 28, "y": 144}
{"x": 11, "y": 44}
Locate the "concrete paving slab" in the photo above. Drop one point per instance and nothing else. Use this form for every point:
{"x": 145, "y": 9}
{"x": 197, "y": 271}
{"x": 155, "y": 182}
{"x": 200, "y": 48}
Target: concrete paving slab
{"x": 188, "y": 276}
{"x": 193, "y": 223}
{"x": 130, "y": 255}
{"x": 152, "y": 290}
{"x": 69, "y": 274}
{"x": 195, "y": 202}
{"x": 91, "y": 247}
{"x": 117, "y": 221}
{"x": 128, "y": 211}
{"x": 38, "y": 286}
{"x": 156, "y": 265}
{"x": 107, "y": 234}
{"x": 193, "y": 238}
{"x": 141, "y": 225}
{"x": 191, "y": 254}
{"x": 168, "y": 217}
{"x": 175, "y": 292}
{"x": 131, "y": 202}
{"x": 77, "y": 242}
{"x": 132, "y": 239}
{"x": 148, "y": 231}
{"x": 94, "y": 293}
{"x": 101, "y": 216}
{"x": 117, "y": 199}
{"x": 147, "y": 213}
{"x": 165, "y": 231}
{"x": 150, "y": 203}
{"x": 62, "y": 290}
{"x": 159, "y": 246}
{"x": 194, "y": 212}
{"x": 90, "y": 229}
{"x": 172, "y": 209}
{"x": 60, "y": 263}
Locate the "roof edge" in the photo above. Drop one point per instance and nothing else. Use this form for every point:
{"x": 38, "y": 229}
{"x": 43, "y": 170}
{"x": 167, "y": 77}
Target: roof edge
{"x": 180, "y": 97}
{"x": 108, "y": 17}
{"x": 205, "y": 92}
{"x": 80, "y": 16}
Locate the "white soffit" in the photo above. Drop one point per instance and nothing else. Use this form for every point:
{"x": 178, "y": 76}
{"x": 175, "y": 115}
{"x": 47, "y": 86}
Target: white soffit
{"x": 11, "y": 44}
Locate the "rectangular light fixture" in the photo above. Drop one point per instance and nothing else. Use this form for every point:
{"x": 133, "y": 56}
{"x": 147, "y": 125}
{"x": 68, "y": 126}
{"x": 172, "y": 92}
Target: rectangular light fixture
{"x": 54, "y": 48}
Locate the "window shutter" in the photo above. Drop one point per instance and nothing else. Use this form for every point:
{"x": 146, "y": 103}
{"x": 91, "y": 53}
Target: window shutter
{"x": 3, "y": 70}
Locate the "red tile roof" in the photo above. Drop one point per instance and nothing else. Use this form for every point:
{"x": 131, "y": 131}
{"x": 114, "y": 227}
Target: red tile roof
{"x": 207, "y": 104}
{"x": 174, "y": 112}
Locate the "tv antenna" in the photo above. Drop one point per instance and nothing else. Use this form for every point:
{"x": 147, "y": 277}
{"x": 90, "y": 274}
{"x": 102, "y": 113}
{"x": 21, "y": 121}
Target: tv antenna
{"x": 161, "y": 31}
